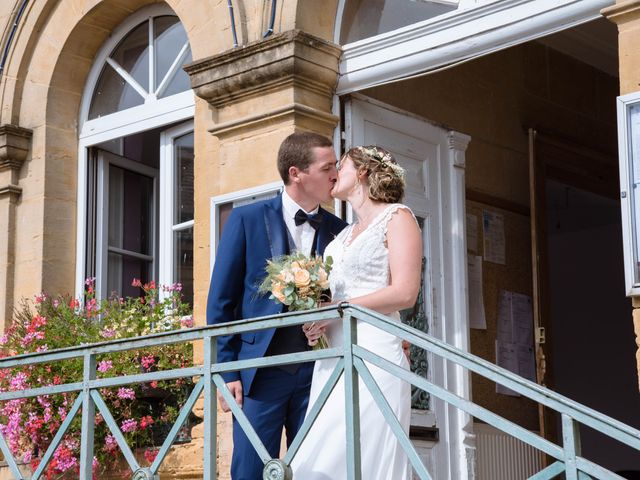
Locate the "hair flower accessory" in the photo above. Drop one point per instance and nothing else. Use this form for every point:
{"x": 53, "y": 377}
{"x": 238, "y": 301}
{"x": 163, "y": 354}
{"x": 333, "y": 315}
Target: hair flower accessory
{"x": 384, "y": 158}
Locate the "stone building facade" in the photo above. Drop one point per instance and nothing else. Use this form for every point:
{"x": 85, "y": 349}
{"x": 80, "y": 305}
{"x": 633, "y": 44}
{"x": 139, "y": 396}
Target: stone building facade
{"x": 481, "y": 83}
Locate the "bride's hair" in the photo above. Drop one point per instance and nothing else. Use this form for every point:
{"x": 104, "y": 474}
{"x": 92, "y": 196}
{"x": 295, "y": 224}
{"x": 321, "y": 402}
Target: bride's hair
{"x": 384, "y": 176}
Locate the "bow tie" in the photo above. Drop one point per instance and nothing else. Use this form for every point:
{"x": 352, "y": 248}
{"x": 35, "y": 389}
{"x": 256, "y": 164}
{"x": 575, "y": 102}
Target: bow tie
{"x": 314, "y": 220}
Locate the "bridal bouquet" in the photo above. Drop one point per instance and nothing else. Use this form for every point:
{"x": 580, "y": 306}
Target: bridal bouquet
{"x": 298, "y": 281}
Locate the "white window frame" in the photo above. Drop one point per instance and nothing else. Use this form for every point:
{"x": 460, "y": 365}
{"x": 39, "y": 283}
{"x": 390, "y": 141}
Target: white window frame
{"x": 167, "y": 202}
{"x": 629, "y": 194}
{"x": 154, "y": 114}
{"x": 102, "y": 215}
{"x": 237, "y": 198}
{"x": 474, "y": 29}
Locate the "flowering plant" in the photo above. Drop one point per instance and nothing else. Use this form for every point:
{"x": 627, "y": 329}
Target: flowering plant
{"x": 142, "y": 410}
{"x": 298, "y": 281}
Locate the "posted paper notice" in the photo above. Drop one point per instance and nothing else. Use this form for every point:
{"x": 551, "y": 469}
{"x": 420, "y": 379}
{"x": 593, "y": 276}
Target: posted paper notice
{"x": 493, "y": 235}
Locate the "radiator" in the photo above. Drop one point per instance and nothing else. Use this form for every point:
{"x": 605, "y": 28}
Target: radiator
{"x": 503, "y": 457}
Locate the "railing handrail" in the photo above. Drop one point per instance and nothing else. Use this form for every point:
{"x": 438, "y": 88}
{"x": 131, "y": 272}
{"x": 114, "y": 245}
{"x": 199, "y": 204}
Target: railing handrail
{"x": 570, "y": 410}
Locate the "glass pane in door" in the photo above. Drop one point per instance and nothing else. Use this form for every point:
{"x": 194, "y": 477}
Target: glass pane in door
{"x": 130, "y": 211}
{"x": 183, "y": 195}
{"x": 416, "y": 317}
{"x": 122, "y": 270}
{"x": 183, "y": 262}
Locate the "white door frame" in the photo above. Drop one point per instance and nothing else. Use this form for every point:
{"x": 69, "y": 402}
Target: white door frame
{"x": 167, "y": 203}
{"x": 449, "y": 303}
{"x": 105, "y": 159}
{"x": 474, "y": 29}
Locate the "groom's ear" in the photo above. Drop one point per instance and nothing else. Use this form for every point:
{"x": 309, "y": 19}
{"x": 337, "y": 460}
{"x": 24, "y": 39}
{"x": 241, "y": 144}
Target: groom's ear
{"x": 294, "y": 174}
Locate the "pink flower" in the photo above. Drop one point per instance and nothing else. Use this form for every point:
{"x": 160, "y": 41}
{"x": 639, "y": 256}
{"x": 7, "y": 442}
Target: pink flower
{"x": 108, "y": 333}
{"x": 110, "y": 443}
{"x": 150, "y": 455}
{"x": 126, "y": 393}
{"x": 146, "y": 421}
{"x": 148, "y": 361}
{"x": 19, "y": 381}
{"x": 136, "y": 283}
{"x": 186, "y": 322}
{"x": 105, "y": 366}
{"x": 176, "y": 287}
{"x": 129, "y": 425}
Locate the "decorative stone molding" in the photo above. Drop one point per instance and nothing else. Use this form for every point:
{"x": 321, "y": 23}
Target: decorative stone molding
{"x": 295, "y": 113}
{"x": 11, "y": 191}
{"x": 458, "y": 142}
{"x": 290, "y": 59}
{"x": 623, "y": 12}
{"x": 14, "y": 146}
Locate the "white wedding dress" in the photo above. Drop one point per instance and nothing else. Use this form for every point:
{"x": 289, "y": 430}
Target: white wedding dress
{"x": 359, "y": 267}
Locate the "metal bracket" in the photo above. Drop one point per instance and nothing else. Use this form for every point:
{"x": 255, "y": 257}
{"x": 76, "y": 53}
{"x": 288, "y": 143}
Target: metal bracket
{"x": 276, "y": 469}
{"x": 144, "y": 474}
{"x": 540, "y": 335}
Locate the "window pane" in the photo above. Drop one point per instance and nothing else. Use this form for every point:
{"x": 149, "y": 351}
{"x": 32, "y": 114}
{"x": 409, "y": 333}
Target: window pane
{"x": 130, "y": 211}
{"x": 183, "y": 155}
{"x": 112, "y": 94}
{"x": 183, "y": 262}
{"x": 180, "y": 81}
{"x": 121, "y": 272}
{"x": 169, "y": 40}
{"x": 133, "y": 54}
{"x": 363, "y": 19}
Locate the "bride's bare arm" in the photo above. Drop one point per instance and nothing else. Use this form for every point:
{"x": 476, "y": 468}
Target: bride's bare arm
{"x": 404, "y": 241}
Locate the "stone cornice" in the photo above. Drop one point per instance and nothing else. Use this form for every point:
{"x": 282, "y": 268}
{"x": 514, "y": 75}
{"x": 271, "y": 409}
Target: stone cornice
{"x": 14, "y": 146}
{"x": 294, "y": 112}
{"x": 11, "y": 191}
{"x": 292, "y": 58}
{"x": 623, "y": 12}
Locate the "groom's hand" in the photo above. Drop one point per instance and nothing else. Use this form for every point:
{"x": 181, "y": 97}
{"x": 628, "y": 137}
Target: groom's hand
{"x": 236, "y": 390}
{"x": 315, "y": 330}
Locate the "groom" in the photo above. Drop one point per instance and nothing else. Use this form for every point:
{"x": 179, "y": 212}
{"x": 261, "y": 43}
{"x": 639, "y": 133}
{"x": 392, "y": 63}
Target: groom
{"x": 273, "y": 398}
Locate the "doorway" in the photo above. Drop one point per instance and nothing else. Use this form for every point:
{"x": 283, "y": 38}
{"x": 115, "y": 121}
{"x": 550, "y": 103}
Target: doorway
{"x": 433, "y": 158}
{"x": 587, "y": 309}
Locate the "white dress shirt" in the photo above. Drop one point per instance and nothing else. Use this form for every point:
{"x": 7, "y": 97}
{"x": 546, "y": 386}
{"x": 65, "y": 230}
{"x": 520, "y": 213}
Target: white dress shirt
{"x": 302, "y": 234}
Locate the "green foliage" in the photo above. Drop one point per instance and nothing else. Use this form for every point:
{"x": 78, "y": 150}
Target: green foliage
{"x": 144, "y": 412}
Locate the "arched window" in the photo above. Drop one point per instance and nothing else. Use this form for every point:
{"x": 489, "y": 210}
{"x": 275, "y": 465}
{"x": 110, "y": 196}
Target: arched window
{"x": 367, "y": 18}
{"x": 136, "y": 171}
{"x": 144, "y": 67}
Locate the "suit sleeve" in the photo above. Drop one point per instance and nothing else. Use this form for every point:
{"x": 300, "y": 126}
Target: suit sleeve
{"x": 226, "y": 288}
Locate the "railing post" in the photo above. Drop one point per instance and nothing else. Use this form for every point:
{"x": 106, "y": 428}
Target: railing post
{"x": 352, "y": 398}
{"x": 571, "y": 445}
{"x": 88, "y": 418}
{"x": 210, "y": 411}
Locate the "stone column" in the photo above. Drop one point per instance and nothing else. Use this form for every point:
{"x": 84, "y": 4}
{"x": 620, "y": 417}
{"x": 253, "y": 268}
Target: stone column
{"x": 257, "y": 95}
{"x": 14, "y": 147}
{"x": 261, "y": 93}
{"x": 626, "y": 14}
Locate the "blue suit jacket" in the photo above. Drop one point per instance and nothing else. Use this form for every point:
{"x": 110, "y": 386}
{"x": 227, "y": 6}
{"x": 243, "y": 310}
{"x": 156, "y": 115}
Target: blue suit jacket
{"x": 252, "y": 235}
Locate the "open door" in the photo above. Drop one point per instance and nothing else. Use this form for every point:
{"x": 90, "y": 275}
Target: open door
{"x": 434, "y": 160}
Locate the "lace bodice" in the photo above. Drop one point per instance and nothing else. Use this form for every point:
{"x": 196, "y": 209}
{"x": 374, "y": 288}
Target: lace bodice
{"x": 361, "y": 265}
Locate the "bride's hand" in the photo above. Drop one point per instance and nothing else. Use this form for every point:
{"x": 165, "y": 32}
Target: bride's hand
{"x": 315, "y": 330}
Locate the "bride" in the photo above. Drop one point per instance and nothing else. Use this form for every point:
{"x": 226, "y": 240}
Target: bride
{"x": 376, "y": 264}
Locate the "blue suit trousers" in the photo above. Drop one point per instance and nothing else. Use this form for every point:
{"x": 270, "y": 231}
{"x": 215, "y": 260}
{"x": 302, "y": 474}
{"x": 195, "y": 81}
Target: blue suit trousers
{"x": 276, "y": 399}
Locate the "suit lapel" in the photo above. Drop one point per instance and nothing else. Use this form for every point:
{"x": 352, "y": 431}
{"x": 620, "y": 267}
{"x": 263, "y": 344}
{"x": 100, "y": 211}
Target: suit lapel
{"x": 276, "y": 228}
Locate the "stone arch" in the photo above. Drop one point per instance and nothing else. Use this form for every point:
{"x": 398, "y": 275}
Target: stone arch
{"x": 43, "y": 87}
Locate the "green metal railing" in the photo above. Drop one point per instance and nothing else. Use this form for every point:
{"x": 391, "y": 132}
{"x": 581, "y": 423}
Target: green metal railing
{"x": 351, "y": 366}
